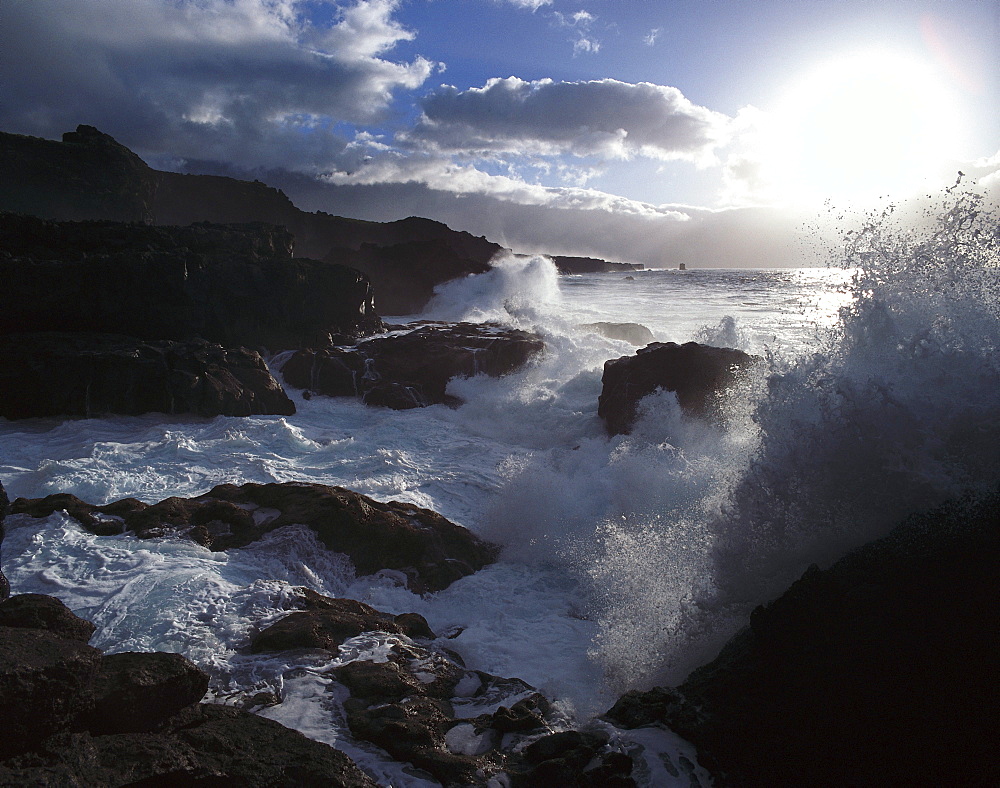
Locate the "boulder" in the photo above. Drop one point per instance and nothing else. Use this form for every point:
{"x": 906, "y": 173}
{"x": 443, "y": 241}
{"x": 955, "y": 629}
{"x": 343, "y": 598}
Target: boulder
{"x": 698, "y": 374}
{"x": 880, "y": 670}
{"x": 136, "y": 691}
{"x": 412, "y": 369}
{"x": 73, "y": 716}
{"x": 428, "y": 550}
{"x": 45, "y": 684}
{"x": 633, "y": 333}
{"x": 329, "y": 622}
{"x": 84, "y": 374}
{"x": 38, "y": 611}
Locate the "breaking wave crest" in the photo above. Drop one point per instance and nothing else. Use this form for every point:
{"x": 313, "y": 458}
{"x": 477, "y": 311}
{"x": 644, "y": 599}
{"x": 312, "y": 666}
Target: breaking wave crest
{"x": 895, "y": 413}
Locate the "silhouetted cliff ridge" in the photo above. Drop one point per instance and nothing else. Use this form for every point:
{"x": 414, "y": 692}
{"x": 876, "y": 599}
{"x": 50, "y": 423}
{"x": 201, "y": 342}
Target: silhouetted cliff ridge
{"x": 88, "y": 175}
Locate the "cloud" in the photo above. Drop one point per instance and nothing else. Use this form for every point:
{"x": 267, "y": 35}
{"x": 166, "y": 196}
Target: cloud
{"x": 254, "y": 82}
{"x": 533, "y": 5}
{"x": 533, "y": 219}
{"x": 650, "y": 38}
{"x": 606, "y": 118}
{"x": 580, "y": 23}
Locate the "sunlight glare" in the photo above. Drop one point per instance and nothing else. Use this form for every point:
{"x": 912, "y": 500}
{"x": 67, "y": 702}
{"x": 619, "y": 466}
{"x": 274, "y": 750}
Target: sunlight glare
{"x": 860, "y": 127}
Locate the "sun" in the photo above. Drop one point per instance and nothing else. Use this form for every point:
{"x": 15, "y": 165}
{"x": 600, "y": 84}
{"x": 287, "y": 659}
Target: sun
{"x": 860, "y": 127}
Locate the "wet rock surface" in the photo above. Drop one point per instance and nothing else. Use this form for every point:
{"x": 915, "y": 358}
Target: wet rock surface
{"x": 4, "y": 508}
{"x": 880, "y": 670}
{"x": 699, "y": 374}
{"x": 327, "y": 622}
{"x": 85, "y": 375}
{"x": 633, "y": 333}
{"x": 419, "y": 704}
{"x": 74, "y": 716}
{"x": 412, "y": 369}
{"x": 428, "y": 550}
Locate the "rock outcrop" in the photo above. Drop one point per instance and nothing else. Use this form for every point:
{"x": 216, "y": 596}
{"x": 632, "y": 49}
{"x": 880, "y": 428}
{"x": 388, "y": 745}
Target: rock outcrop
{"x": 412, "y": 369}
{"x": 427, "y": 550}
{"x": 591, "y": 265}
{"x": 405, "y": 274}
{"x": 86, "y": 375}
{"x": 73, "y": 716}
{"x": 880, "y": 670}
{"x": 419, "y": 703}
{"x": 88, "y": 175}
{"x": 698, "y": 374}
{"x": 326, "y": 623}
{"x": 231, "y": 284}
{"x": 4, "y": 508}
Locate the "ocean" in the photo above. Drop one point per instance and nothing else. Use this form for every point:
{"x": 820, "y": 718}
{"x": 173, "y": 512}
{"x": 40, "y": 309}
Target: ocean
{"x": 627, "y": 561}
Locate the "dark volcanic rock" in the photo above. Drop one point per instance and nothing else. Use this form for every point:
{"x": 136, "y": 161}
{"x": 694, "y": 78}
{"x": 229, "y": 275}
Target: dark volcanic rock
{"x": 429, "y": 550}
{"x": 136, "y": 691}
{"x": 332, "y": 621}
{"x": 412, "y": 370}
{"x": 405, "y": 274}
{"x": 38, "y": 611}
{"x": 81, "y": 374}
{"x": 74, "y": 717}
{"x": 697, "y": 373}
{"x": 44, "y": 685}
{"x": 231, "y": 284}
{"x": 86, "y": 176}
{"x": 878, "y": 671}
{"x": 591, "y": 265}
{"x": 90, "y": 176}
{"x": 4, "y": 507}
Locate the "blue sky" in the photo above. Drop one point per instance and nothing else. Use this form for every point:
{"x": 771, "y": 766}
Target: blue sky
{"x": 655, "y": 132}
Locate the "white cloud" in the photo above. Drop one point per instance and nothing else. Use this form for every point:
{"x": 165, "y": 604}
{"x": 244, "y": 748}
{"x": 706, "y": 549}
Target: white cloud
{"x": 230, "y": 80}
{"x": 533, "y": 5}
{"x": 604, "y": 118}
{"x": 580, "y": 23}
{"x": 651, "y": 36}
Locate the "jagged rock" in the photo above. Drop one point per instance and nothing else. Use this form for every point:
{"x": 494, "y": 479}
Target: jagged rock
{"x": 38, "y": 611}
{"x": 231, "y": 284}
{"x": 430, "y": 551}
{"x": 137, "y": 691}
{"x": 591, "y": 265}
{"x": 332, "y": 621}
{"x": 86, "y": 176}
{"x": 75, "y": 717}
{"x": 82, "y": 374}
{"x": 698, "y": 374}
{"x": 4, "y": 508}
{"x": 90, "y": 176}
{"x": 633, "y": 333}
{"x": 412, "y": 369}
{"x": 405, "y": 274}
{"x": 45, "y": 684}
{"x": 880, "y": 670}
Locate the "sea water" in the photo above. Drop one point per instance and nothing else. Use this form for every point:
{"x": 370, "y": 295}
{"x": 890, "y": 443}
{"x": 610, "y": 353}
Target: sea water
{"x": 627, "y": 560}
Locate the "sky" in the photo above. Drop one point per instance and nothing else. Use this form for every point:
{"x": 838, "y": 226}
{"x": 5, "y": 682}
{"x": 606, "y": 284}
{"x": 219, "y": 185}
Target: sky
{"x": 710, "y": 132}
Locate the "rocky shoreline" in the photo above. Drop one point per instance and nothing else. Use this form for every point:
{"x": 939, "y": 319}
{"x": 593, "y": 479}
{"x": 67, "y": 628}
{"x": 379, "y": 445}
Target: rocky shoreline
{"x": 877, "y": 670}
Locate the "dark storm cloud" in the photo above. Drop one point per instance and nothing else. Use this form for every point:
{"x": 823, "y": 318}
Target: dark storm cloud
{"x": 248, "y": 81}
{"x": 604, "y": 117}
